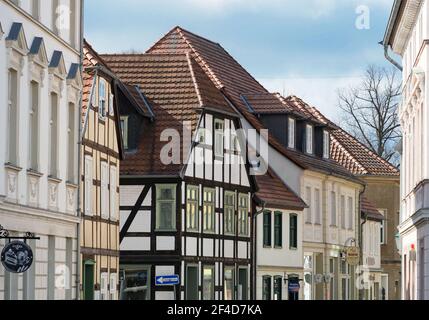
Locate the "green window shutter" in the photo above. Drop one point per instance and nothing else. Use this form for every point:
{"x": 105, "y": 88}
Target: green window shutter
{"x": 293, "y": 232}
{"x": 278, "y": 229}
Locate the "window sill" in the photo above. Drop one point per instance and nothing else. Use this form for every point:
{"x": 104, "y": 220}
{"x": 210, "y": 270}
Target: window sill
{"x": 72, "y": 185}
{"x": 309, "y": 223}
{"x": 34, "y": 173}
{"x": 293, "y": 248}
{"x": 165, "y": 230}
{"x": 13, "y": 167}
{"x": 54, "y": 179}
{"x": 267, "y": 247}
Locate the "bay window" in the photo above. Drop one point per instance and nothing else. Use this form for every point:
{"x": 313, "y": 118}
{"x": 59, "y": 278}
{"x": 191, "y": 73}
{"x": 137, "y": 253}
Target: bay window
{"x": 166, "y": 207}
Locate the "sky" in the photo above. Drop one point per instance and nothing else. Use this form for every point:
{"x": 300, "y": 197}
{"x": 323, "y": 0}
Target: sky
{"x": 309, "y": 48}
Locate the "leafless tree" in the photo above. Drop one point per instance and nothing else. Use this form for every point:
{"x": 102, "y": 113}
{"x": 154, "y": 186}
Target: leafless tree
{"x": 369, "y": 111}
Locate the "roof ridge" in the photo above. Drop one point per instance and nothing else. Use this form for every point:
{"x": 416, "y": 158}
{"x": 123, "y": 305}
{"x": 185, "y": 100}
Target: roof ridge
{"x": 194, "y": 80}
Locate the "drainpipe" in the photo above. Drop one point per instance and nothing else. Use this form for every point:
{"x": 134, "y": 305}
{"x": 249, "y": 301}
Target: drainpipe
{"x": 78, "y": 260}
{"x": 263, "y": 203}
{"x": 389, "y": 58}
{"x": 361, "y": 225}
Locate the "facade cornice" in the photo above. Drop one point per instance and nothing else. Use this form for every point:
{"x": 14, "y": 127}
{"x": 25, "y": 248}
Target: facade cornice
{"x": 417, "y": 219}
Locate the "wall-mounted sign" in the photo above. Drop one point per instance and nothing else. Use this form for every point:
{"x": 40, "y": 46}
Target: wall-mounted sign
{"x": 172, "y": 280}
{"x": 17, "y": 257}
{"x": 353, "y": 256}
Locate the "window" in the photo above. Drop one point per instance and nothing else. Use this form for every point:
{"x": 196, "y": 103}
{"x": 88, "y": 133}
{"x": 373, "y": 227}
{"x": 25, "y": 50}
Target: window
{"x": 229, "y": 216}
{"x": 35, "y": 9}
{"x": 219, "y": 138}
{"x": 243, "y": 284}
{"x": 192, "y": 211}
{"x": 267, "y": 229}
{"x": 317, "y": 209}
{"x": 266, "y": 288}
{"x": 309, "y": 139}
{"x": 88, "y": 186}
{"x": 102, "y": 98}
{"x": 278, "y": 286}
{"x": 293, "y": 231}
{"x": 166, "y": 207}
{"x": 13, "y": 117}
{"x": 192, "y": 291}
{"x": 243, "y": 215}
{"x": 124, "y": 131}
{"x": 308, "y": 218}
{"x": 104, "y": 190}
{"x": 291, "y": 133}
{"x": 71, "y": 135}
{"x": 113, "y": 286}
{"x": 111, "y": 104}
{"x": 234, "y": 141}
{"x": 326, "y": 145}
{"x": 73, "y": 11}
{"x": 278, "y": 229}
{"x": 343, "y": 212}
{"x": 333, "y": 209}
{"x": 208, "y": 283}
{"x": 383, "y": 228}
{"x": 229, "y": 284}
{"x": 209, "y": 210}
{"x": 53, "y": 136}
{"x": 114, "y": 216}
{"x": 33, "y": 146}
{"x": 351, "y": 210}
{"x": 136, "y": 284}
{"x": 55, "y": 16}
{"x": 104, "y": 285}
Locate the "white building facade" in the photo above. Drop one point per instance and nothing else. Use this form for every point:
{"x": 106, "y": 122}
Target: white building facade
{"x": 40, "y": 91}
{"x": 407, "y": 35}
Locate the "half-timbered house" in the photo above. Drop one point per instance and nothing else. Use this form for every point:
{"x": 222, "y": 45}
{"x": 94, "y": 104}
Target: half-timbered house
{"x": 185, "y": 185}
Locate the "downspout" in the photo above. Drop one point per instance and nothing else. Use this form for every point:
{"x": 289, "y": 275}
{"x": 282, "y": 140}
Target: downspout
{"x": 257, "y": 213}
{"x": 361, "y": 225}
{"x": 78, "y": 260}
{"x": 389, "y": 58}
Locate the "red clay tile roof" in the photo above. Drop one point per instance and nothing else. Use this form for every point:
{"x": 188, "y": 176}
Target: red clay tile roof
{"x": 234, "y": 81}
{"x": 266, "y": 103}
{"x": 357, "y": 158}
{"x": 349, "y": 152}
{"x": 176, "y": 89}
{"x": 276, "y": 194}
{"x": 368, "y": 209}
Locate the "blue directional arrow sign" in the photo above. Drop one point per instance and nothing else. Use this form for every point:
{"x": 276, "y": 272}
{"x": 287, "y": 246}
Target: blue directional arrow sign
{"x": 172, "y": 280}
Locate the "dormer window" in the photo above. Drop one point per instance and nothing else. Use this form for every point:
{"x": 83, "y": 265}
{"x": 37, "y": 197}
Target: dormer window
{"x": 326, "y": 144}
{"x": 309, "y": 139}
{"x": 291, "y": 133}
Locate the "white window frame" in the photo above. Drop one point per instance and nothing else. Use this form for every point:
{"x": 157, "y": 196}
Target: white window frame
{"x": 104, "y": 193}
{"x": 317, "y": 208}
{"x": 72, "y": 141}
{"x": 159, "y": 201}
{"x": 343, "y": 212}
{"x": 309, "y": 134}
{"x": 192, "y": 201}
{"x": 104, "y": 285}
{"x": 114, "y": 216}
{"x": 111, "y": 104}
{"x": 333, "y": 207}
{"x": 53, "y": 132}
{"x": 383, "y": 227}
{"x": 326, "y": 145}
{"x": 34, "y": 118}
{"x": 243, "y": 214}
{"x": 102, "y": 98}
{"x": 12, "y": 149}
{"x": 113, "y": 286}
{"x": 291, "y": 133}
{"x": 219, "y": 140}
{"x": 350, "y": 208}
{"x": 309, "y": 210}
{"x": 228, "y": 216}
{"x": 206, "y": 204}
{"x": 88, "y": 185}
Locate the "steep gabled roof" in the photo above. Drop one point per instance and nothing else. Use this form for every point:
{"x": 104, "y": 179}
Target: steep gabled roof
{"x": 177, "y": 90}
{"x": 276, "y": 194}
{"x": 234, "y": 81}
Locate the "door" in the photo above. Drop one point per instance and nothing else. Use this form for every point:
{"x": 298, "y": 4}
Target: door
{"x": 243, "y": 284}
{"x": 192, "y": 283}
{"x": 88, "y": 281}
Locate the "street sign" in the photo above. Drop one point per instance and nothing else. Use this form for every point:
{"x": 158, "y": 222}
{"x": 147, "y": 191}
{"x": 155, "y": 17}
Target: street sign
{"x": 172, "y": 280}
{"x": 17, "y": 257}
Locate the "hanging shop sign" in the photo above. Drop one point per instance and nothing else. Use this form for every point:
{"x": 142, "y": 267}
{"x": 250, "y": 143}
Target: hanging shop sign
{"x": 353, "y": 256}
{"x": 17, "y": 255}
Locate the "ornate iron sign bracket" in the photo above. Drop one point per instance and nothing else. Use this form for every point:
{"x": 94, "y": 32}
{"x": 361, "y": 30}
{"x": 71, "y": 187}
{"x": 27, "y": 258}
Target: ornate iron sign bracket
{"x": 4, "y": 234}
